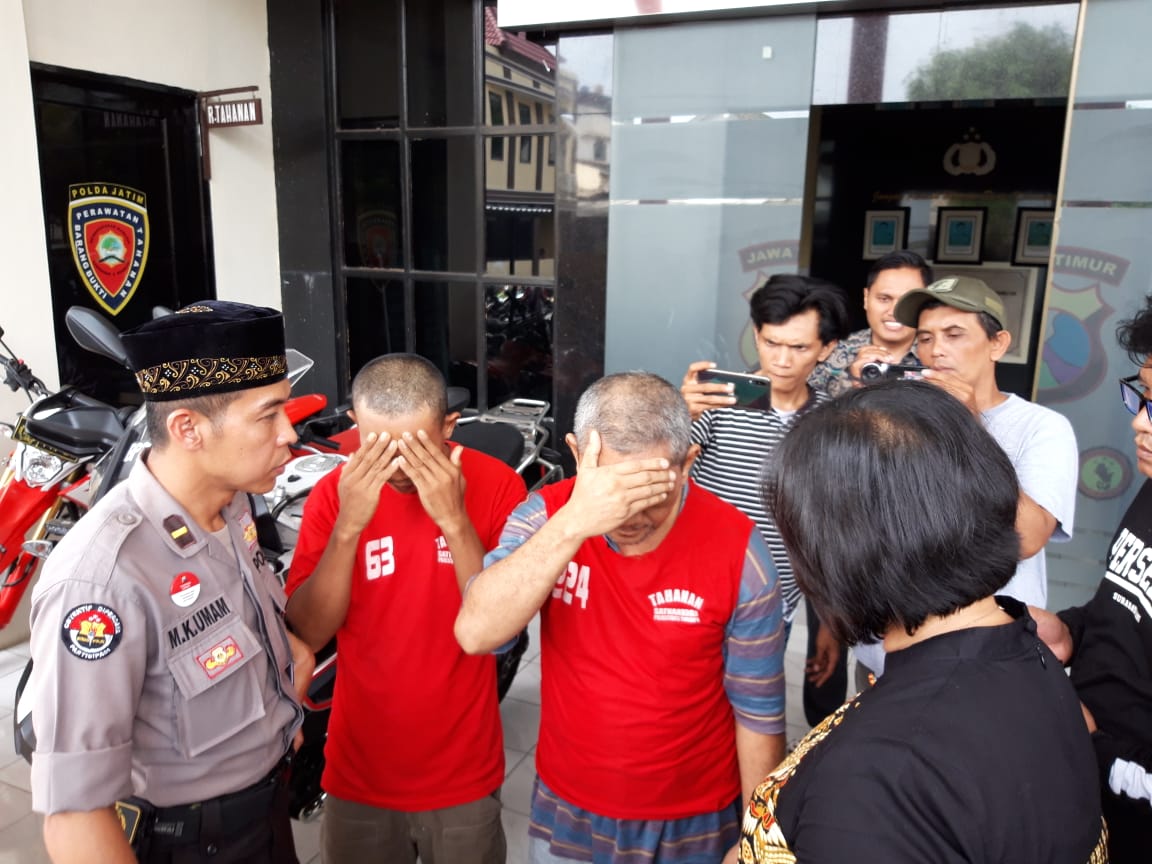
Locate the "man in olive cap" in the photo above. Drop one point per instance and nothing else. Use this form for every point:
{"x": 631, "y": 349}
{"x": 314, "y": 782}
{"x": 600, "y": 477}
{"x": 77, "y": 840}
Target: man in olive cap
{"x": 165, "y": 685}
{"x": 960, "y": 336}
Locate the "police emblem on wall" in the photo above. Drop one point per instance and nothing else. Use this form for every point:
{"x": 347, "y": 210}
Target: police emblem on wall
{"x": 1105, "y": 473}
{"x": 109, "y": 233}
{"x": 1073, "y": 361}
{"x": 775, "y": 254}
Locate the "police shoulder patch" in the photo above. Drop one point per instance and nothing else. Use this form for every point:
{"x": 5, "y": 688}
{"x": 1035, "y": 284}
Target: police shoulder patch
{"x": 91, "y": 631}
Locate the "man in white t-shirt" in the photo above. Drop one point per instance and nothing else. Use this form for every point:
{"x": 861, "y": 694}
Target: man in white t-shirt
{"x": 960, "y": 336}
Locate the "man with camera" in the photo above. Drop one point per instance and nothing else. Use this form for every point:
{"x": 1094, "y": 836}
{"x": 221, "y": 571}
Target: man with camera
{"x": 960, "y": 336}
{"x": 885, "y": 342}
{"x": 959, "y": 323}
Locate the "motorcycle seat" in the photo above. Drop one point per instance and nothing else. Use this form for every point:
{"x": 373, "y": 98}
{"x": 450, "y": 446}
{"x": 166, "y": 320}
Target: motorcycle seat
{"x": 501, "y": 440}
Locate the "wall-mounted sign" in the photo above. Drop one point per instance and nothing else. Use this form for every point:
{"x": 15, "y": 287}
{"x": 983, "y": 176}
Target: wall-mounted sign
{"x": 109, "y": 234}
{"x": 215, "y": 114}
{"x": 243, "y": 112}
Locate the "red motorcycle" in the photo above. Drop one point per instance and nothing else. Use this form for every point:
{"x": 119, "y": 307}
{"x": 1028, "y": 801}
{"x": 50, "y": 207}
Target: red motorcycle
{"x": 48, "y": 479}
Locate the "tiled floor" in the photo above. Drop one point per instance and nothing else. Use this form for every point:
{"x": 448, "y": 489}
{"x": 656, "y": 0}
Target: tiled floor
{"x": 20, "y": 841}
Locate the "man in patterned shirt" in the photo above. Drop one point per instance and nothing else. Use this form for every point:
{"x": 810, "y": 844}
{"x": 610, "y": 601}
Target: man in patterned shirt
{"x": 797, "y": 321}
{"x": 662, "y": 687}
{"x": 884, "y": 340}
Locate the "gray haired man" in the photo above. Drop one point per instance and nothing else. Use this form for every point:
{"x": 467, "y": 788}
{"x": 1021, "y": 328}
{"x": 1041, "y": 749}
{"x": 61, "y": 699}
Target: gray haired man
{"x": 662, "y": 638}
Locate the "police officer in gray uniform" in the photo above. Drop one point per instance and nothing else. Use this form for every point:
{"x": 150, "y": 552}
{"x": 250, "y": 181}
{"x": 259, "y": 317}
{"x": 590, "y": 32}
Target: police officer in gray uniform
{"x": 163, "y": 686}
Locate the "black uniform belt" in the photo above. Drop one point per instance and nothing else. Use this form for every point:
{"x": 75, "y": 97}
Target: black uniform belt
{"x": 222, "y": 816}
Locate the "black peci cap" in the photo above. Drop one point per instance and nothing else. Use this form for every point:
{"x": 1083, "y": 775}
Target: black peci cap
{"x": 208, "y": 347}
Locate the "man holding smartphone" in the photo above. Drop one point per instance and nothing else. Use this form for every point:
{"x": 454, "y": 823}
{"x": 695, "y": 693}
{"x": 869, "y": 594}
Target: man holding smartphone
{"x": 797, "y": 322}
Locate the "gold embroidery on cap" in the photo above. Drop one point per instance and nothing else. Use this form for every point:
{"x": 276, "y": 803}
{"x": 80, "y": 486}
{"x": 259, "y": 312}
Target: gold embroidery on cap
{"x": 180, "y": 376}
{"x": 187, "y": 309}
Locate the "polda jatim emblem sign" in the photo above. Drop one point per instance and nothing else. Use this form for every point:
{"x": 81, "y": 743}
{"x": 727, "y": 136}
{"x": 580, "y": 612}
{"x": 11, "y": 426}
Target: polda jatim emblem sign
{"x": 108, "y": 226}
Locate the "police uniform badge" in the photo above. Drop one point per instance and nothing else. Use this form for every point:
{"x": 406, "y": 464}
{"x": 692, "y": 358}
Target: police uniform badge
{"x": 251, "y": 535}
{"x": 91, "y": 631}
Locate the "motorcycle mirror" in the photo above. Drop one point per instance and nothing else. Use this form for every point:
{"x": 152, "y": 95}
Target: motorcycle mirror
{"x": 298, "y": 364}
{"x": 95, "y": 333}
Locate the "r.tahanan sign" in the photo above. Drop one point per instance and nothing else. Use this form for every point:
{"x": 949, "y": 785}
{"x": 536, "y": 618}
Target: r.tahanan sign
{"x": 241, "y": 112}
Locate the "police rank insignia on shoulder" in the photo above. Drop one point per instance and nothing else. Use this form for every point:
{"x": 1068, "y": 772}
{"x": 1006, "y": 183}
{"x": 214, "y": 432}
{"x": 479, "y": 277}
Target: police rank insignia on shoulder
{"x": 91, "y": 631}
{"x": 178, "y": 530}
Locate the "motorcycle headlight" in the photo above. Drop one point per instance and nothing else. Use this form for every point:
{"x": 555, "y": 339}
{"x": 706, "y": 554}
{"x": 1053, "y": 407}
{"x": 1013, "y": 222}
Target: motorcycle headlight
{"x": 39, "y": 467}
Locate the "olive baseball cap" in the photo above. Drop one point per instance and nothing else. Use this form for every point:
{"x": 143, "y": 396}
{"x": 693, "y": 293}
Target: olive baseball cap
{"x": 960, "y": 292}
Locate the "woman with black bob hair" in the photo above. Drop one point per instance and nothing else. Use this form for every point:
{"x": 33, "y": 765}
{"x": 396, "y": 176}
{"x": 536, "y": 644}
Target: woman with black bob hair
{"x": 898, "y": 511}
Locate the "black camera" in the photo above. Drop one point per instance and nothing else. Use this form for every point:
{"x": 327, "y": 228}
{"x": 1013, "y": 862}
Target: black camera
{"x": 873, "y": 372}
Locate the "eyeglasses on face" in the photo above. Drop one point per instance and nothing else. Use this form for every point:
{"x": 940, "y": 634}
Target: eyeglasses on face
{"x": 1132, "y": 393}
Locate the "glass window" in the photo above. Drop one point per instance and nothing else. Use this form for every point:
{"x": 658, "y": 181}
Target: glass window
{"x": 375, "y": 310}
{"x": 1101, "y": 270}
{"x": 370, "y": 174}
{"x": 519, "y": 240}
{"x": 444, "y": 204}
{"x": 694, "y": 179}
{"x": 518, "y": 337}
{"x": 440, "y": 50}
{"x": 496, "y": 118}
{"x": 448, "y": 331}
{"x": 519, "y": 222}
{"x": 440, "y": 314}
{"x": 1016, "y": 52}
{"x": 367, "y": 63}
{"x": 495, "y": 110}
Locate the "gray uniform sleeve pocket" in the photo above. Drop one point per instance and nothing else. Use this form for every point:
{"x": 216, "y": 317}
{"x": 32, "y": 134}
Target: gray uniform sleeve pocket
{"x": 219, "y": 686}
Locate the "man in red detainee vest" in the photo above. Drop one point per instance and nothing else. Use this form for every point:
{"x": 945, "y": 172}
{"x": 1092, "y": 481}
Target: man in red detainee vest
{"x": 662, "y": 639}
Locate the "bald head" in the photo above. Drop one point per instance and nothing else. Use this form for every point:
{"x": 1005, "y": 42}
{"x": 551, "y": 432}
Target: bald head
{"x": 635, "y": 412}
{"x": 395, "y": 385}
